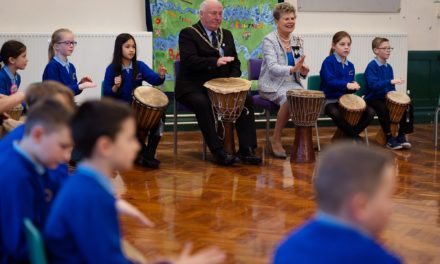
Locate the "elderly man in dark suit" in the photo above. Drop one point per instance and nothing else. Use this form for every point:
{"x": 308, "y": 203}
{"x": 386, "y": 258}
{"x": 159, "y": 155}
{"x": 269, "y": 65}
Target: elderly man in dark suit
{"x": 207, "y": 52}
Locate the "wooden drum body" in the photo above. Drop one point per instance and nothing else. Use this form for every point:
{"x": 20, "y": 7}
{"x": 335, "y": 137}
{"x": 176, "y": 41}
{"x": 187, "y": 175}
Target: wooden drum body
{"x": 15, "y": 112}
{"x": 352, "y": 107}
{"x": 305, "y": 107}
{"x": 148, "y": 105}
{"x": 227, "y": 96}
{"x": 397, "y": 103}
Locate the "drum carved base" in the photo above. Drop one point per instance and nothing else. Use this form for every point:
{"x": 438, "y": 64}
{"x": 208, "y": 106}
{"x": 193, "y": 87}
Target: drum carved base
{"x": 228, "y": 140}
{"x": 381, "y": 139}
{"x": 302, "y": 150}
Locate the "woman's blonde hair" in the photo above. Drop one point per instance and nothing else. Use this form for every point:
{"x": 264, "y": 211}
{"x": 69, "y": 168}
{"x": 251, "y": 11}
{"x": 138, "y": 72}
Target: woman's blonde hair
{"x": 283, "y": 8}
{"x": 56, "y": 37}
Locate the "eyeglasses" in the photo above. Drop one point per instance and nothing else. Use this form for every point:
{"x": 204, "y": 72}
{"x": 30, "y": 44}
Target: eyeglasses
{"x": 387, "y": 49}
{"x": 68, "y": 43}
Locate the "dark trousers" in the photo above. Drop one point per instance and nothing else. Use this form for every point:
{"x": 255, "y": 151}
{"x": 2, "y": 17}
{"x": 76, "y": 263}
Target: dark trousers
{"x": 406, "y": 124}
{"x": 200, "y": 104}
{"x": 154, "y": 134}
{"x": 334, "y": 112}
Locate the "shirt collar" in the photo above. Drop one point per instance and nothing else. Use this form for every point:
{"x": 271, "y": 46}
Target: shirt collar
{"x": 93, "y": 173}
{"x": 329, "y": 219}
{"x": 129, "y": 67}
{"x": 60, "y": 61}
{"x": 380, "y": 63}
{"x": 38, "y": 166}
{"x": 339, "y": 59}
{"x": 13, "y": 78}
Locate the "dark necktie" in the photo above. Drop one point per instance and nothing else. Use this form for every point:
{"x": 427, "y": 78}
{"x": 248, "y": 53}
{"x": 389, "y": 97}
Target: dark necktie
{"x": 214, "y": 39}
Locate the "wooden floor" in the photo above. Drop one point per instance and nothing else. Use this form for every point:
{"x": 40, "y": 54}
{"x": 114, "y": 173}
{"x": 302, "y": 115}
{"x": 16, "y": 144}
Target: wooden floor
{"x": 246, "y": 210}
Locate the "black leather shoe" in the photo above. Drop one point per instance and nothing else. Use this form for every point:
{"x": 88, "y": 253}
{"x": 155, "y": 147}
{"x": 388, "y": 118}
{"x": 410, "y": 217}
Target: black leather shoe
{"x": 248, "y": 156}
{"x": 223, "y": 158}
{"x": 148, "y": 163}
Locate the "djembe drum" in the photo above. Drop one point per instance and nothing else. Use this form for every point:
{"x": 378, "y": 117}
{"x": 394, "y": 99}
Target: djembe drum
{"x": 305, "y": 107}
{"x": 15, "y": 112}
{"x": 352, "y": 107}
{"x": 148, "y": 105}
{"x": 397, "y": 103}
{"x": 227, "y": 97}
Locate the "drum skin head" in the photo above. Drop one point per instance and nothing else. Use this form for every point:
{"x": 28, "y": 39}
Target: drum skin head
{"x": 352, "y": 102}
{"x": 228, "y": 85}
{"x": 150, "y": 96}
{"x": 398, "y": 97}
{"x": 305, "y": 93}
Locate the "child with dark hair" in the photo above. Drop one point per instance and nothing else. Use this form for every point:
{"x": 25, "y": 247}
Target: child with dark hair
{"x": 13, "y": 56}
{"x": 122, "y": 76}
{"x": 92, "y": 234}
{"x": 27, "y": 186}
{"x": 353, "y": 186}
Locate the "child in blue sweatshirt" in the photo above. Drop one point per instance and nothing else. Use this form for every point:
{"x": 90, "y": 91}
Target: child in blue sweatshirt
{"x": 92, "y": 233}
{"x": 14, "y": 57}
{"x": 353, "y": 185}
{"x": 380, "y": 80}
{"x": 59, "y": 68}
{"x": 122, "y": 76}
{"x": 27, "y": 185}
{"x": 337, "y": 78}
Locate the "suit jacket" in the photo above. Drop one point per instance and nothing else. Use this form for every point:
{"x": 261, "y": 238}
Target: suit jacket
{"x": 198, "y": 59}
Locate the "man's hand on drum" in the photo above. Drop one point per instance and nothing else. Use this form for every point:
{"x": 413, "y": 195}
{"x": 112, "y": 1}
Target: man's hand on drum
{"x": 298, "y": 65}
{"x": 162, "y": 71}
{"x": 397, "y": 81}
{"x": 354, "y": 86}
{"x": 224, "y": 60}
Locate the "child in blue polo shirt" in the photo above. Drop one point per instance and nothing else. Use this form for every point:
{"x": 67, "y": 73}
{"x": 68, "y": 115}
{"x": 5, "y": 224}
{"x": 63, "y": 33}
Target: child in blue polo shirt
{"x": 92, "y": 234}
{"x": 380, "y": 80}
{"x": 337, "y": 78}
{"x": 13, "y": 55}
{"x": 122, "y": 76}
{"x": 27, "y": 187}
{"x": 353, "y": 186}
{"x": 59, "y": 68}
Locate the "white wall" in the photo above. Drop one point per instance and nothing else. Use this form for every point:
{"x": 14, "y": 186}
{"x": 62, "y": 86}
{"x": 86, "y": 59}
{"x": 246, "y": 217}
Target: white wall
{"x": 417, "y": 18}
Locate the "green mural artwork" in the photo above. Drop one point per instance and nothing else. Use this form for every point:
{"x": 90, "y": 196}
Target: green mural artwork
{"x": 248, "y": 20}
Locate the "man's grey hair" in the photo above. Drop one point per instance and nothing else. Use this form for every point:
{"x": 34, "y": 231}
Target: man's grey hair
{"x": 206, "y": 2}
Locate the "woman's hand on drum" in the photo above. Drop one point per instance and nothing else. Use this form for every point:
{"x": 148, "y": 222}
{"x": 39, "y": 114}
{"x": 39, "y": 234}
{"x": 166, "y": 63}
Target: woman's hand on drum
{"x": 86, "y": 85}
{"x": 304, "y": 70}
{"x": 224, "y": 60}
{"x": 397, "y": 81}
{"x": 353, "y": 86}
{"x": 162, "y": 71}
{"x": 125, "y": 208}
{"x": 298, "y": 65}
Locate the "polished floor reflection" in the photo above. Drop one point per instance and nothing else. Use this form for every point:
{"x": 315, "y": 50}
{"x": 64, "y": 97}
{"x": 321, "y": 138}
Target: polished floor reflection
{"x": 246, "y": 210}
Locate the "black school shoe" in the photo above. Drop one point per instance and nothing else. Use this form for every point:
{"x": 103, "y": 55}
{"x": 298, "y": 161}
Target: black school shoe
{"x": 248, "y": 156}
{"x": 148, "y": 163}
{"x": 223, "y": 158}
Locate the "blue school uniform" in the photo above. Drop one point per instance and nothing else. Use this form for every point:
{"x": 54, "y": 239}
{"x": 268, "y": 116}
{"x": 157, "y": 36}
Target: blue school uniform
{"x": 27, "y": 192}
{"x": 335, "y": 76}
{"x": 63, "y": 72}
{"x": 327, "y": 240}
{"x": 128, "y": 85}
{"x": 83, "y": 225}
{"x": 8, "y": 82}
{"x": 378, "y": 78}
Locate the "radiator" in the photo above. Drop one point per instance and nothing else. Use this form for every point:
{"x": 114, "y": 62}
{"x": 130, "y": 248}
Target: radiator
{"x": 317, "y": 47}
{"x": 92, "y": 55}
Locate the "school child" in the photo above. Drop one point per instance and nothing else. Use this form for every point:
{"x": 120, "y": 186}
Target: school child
{"x": 337, "y": 78}
{"x": 83, "y": 225}
{"x": 380, "y": 80}
{"x": 353, "y": 186}
{"x": 122, "y": 76}
{"x": 59, "y": 68}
